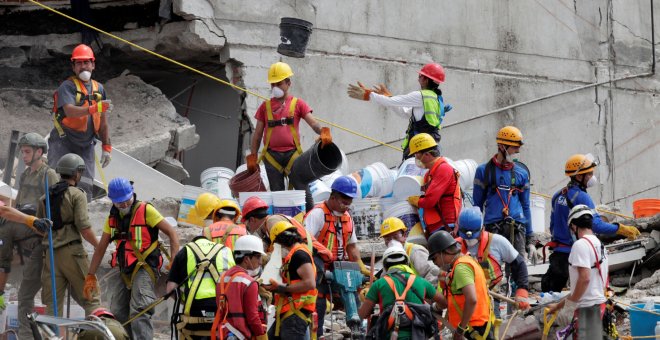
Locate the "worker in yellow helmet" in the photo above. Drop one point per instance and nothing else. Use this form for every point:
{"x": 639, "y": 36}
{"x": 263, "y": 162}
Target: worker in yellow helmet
{"x": 224, "y": 229}
{"x": 278, "y": 122}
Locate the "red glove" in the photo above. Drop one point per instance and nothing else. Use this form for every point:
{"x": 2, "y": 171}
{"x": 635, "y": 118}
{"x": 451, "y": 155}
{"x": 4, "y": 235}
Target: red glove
{"x": 95, "y": 108}
{"x": 326, "y": 137}
{"x": 521, "y": 298}
{"x": 251, "y": 160}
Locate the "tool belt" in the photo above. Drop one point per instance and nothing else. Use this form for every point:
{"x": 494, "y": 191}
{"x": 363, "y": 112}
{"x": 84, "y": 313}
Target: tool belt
{"x": 194, "y": 320}
{"x": 280, "y": 122}
{"x": 507, "y": 227}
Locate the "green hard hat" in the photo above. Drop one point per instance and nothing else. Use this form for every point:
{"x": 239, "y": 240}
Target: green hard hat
{"x": 69, "y": 164}
{"x": 34, "y": 140}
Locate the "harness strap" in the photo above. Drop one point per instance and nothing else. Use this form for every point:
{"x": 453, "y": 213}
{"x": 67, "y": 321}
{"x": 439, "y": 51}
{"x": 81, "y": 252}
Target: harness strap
{"x": 204, "y": 264}
{"x": 141, "y": 262}
{"x": 399, "y": 299}
{"x": 286, "y": 170}
{"x": 222, "y": 312}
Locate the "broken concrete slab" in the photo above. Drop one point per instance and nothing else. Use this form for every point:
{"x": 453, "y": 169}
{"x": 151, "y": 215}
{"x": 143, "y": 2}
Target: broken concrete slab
{"x": 172, "y": 168}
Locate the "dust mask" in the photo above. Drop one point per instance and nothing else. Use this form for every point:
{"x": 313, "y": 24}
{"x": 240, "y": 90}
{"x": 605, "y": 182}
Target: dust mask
{"x": 277, "y": 92}
{"x": 592, "y": 181}
{"x": 507, "y": 156}
{"x": 256, "y": 271}
{"x": 471, "y": 242}
{"x": 394, "y": 243}
{"x": 419, "y": 163}
{"x": 124, "y": 211}
{"x": 85, "y": 75}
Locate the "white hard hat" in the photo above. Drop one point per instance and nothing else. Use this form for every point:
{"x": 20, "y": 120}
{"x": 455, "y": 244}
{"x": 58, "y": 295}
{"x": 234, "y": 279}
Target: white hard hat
{"x": 394, "y": 254}
{"x": 249, "y": 243}
{"x": 579, "y": 211}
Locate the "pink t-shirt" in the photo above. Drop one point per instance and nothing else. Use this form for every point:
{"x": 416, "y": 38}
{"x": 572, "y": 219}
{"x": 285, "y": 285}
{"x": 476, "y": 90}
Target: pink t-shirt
{"x": 281, "y": 139}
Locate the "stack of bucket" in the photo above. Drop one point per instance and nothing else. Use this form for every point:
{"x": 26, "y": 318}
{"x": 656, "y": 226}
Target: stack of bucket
{"x": 408, "y": 180}
{"x": 375, "y": 180}
{"x": 216, "y": 180}
{"x": 187, "y": 214}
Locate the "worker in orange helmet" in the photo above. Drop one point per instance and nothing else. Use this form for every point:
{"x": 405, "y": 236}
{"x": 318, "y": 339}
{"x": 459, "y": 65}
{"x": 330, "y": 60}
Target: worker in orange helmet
{"x": 80, "y": 116}
{"x": 426, "y": 108}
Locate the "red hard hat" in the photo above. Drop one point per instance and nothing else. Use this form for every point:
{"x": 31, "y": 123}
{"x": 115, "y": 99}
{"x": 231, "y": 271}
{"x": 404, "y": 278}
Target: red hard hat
{"x": 433, "y": 71}
{"x": 253, "y": 203}
{"x": 99, "y": 312}
{"x": 82, "y": 52}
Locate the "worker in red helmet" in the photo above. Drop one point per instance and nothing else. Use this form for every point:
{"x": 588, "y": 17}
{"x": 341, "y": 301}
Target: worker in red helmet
{"x": 80, "y": 117}
{"x": 425, "y": 109}
{"x": 110, "y": 322}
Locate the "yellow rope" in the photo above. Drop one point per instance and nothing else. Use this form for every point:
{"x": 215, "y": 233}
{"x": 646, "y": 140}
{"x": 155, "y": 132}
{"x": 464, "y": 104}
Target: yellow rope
{"x": 196, "y": 70}
{"x": 598, "y": 209}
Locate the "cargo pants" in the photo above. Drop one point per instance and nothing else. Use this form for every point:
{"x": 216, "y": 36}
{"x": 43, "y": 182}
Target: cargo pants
{"x": 125, "y": 302}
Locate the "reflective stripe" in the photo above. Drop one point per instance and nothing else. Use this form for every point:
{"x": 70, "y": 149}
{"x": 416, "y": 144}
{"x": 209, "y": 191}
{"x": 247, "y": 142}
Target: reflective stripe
{"x": 200, "y": 256}
{"x": 328, "y": 234}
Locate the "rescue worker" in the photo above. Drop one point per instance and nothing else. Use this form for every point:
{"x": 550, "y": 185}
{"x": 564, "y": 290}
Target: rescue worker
{"x": 240, "y": 309}
{"x": 425, "y": 109}
{"x": 501, "y": 191}
{"x": 465, "y": 288}
{"x": 295, "y": 296}
{"x": 580, "y": 169}
{"x": 588, "y": 272}
{"x": 205, "y": 206}
{"x": 277, "y": 123}
{"x": 442, "y": 199}
{"x": 400, "y": 288}
{"x": 224, "y": 229}
{"x": 71, "y": 224}
{"x": 31, "y": 186}
{"x": 133, "y": 225}
{"x": 492, "y": 251}
{"x": 393, "y": 231}
{"x": 108, "y": 319}
{"x": 79, "y": 116}
{"x": 196, "y": 270}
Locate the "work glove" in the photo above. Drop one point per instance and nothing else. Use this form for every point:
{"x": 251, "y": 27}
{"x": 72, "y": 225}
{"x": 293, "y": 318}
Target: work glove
{"x": 326, "y": 137}
{"x": 91, "y": 287}
{"x": 532, "y": 255}
{"x": 105, "y": 106}
{"x": 265, "y": 294}
{"x": 363, "y": 292}
{"x": 358, "y": 92}
{"x": 628, "y": 231}
{"x": 460, "y": 332}
{"x": 382, "y": 90}
{"x": 363, "y": 269}
{"x": 105, "y": 159}
{"x": 2, "y": 301}
{"x": 565, "y": 315}
{"x": 414, "y": 201}
{"x": 448, "y": 107}
{"x": 521, "y": 299}
{"x": 251, "y": 161}
{"x": 42, "y": 225}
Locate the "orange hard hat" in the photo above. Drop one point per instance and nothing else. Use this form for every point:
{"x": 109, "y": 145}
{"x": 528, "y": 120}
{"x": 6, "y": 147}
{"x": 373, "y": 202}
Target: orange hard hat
{"x": 433, "y": 71}
{"x": 82, "y": 52}
{"x": 253, "y": 203}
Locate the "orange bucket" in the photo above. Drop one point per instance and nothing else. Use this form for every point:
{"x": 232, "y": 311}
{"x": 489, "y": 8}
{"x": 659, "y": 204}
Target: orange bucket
{"x": 646, "y": 207}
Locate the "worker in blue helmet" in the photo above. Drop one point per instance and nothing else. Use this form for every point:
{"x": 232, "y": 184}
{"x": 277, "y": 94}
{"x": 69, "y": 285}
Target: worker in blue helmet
{"x": 331, "y": 224}
{"x": 492, "y": 251}
{"x": 133, "y": 225}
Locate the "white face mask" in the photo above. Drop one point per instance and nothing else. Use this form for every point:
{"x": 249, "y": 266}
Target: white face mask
{"x": 507, "y": 156}
{"x": 472, "y": 242}
{"x": 85, "y": 75}
{"x": 393, "y": 243}
{"x": 592, "y": 181}
{"x": 256, "y": 271}
{"x": 277, "y": 92}
{"x": 125, "y": 211}
{"x": 419, "y": 163}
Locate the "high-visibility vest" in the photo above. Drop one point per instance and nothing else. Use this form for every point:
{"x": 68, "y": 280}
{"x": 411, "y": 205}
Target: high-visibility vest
{"x": 434, "y": 218}
{"x": 202, "y": 285}
{"x": 298, "y": 301}
{"x": 272, "y": 123}
{"x": 434, "y": 112}
{"x": 224, "y": 232}
{"x": 492, "y": 269}
{"x": 456, "y": 303}
{"x": 83, "y": 99}
{"x": 328, "y": 234}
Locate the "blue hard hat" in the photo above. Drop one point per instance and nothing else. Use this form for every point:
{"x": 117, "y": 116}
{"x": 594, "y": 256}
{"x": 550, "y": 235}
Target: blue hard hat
{"x": 345, "y": 185}
{"x": 120, "y": 190}
{"x": 469, "y": 223}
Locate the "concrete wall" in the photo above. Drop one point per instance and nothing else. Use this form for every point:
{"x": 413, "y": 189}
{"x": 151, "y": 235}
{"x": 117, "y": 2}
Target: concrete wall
{"x": 495, "y": 53}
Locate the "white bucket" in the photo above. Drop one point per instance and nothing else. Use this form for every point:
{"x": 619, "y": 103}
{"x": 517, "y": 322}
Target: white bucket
{"x": 408, "y": 167}
{"x": 216, "y": 180}
{"x": 187, "y": 215}
{"x": 467, "y": 168}
{"x": 290, "y": 202}
{"x": 381, "y": 173}
{"x": 262, "y": 173}
{"x": 537, "y": 205}
{"x": 367, "y": 217}
{"x": 404, "y": 211}
{"x": 329, "y": 179}
{"x": 387, "y": 202}
{"x": 266, "y": 196}
{"x": 343, "y": 169}
{"x": 409, "y": 180}
{"x": 320, "y": 191}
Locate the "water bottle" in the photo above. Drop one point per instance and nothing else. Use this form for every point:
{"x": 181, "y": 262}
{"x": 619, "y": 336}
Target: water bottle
{"x": 557, "y": 296}
{"x": 657, "y": 329}
{"x": 546, "y": 298}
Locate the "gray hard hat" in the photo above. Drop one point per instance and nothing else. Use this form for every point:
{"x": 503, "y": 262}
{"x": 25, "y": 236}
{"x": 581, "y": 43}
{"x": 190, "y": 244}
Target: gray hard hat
{"x": 34, "y": 140}
{"x": 69, "y": 164}
{"x": 439, "y": 242}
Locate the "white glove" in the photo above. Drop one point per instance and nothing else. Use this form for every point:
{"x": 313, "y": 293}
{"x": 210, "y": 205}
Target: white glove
{"x": 105, "y": 159}
{"x": 565, "y": 315}
{"x": 533, "y": 256}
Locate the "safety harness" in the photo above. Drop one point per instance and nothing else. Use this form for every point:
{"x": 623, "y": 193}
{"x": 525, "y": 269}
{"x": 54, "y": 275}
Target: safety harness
{"x": 272, "y": 123}
{"x": 457, "y": 196}
{"x": 400, "y": 307}
{"x": 222, "y": 314}
{"x": 83, "y": 98}
{"x": 512, "y": 189}
{"x": 492, "y": 268}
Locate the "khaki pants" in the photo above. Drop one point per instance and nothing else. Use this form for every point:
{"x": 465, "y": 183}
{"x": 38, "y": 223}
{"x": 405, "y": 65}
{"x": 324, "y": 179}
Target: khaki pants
{"x": 71, "y": 267}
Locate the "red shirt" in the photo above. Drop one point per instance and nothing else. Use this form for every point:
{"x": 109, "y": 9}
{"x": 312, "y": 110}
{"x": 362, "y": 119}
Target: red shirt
{"x": 281, "y": 139}
{"x": 441, "y": 192}
{"x": 243, "y": 301}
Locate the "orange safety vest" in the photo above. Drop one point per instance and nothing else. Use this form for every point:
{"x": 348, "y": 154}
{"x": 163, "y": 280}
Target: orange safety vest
{"x": 328, "y": 234}
{"x": 433, "y": 217}
{"x": 492, "y": 269}
{"x": 136, "y": 245}
{"x": 225, "y": 232}
{"x": 84, "y": 99}
{"x": 320, "y": 249}
{"x": 270, "y": 124}
{"x": 298, "y": 301}
{"x": 482, "y": 312}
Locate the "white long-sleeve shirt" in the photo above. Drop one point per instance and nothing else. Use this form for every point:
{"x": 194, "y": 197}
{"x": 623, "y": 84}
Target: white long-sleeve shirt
{"x": 406, "y": 103}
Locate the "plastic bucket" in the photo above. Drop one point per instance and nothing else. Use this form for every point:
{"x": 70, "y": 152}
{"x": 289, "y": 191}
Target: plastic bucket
{"x": 294, "y": 36}
{"x": 409, "y": 168}
{"x": 467, "y": 168}
{"x": 405, "y": 186}
{"x": 319, "y": 190}
{"x": 246, "y": 181}
{"x": 367, "y": 217}
{"x": 266, "y": 196}
{"x": 416, "y": 235}
{"x": 262, "y": 173}
{"x": 290, "y": 203}
{"x": 313, "y": 164}
{"x": 646, "y": 207}
{"x": 187, "y": 214}
{"x": 404, "y": 211}
{"x": 641, "y": 322}
{"x": 537, "y": 205}
{"x": 216, "y": 180}
{"x": 329, "y": 179}
{"x": 382, "y": 174}
{"x": 387, "y": 202}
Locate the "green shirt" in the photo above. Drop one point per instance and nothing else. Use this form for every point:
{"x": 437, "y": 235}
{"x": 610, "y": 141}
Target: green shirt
{"x": 463, "y": 276}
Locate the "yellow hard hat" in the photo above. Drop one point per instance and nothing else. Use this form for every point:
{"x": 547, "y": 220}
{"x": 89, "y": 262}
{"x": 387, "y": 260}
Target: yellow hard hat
{"x": 510, "y": 135}
{"x": 390, "y": 225}
{"x": 579, "y": 164}
{"x": 421, "y": 142}
{"x": 278, "y": 228}
{"x": 278, "y": 72}
{"x": 227, "y": 205}
{"x": 205, "y": 204}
